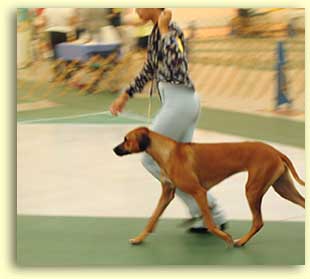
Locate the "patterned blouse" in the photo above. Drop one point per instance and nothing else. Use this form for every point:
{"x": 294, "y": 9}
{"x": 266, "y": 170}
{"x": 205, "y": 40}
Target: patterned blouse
{"x": 166, "y": 60}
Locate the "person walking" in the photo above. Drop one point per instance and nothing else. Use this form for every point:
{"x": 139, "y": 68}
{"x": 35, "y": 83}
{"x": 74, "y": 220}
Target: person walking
{"x": 180, "y": 106}
{"x": 60, "y": 23}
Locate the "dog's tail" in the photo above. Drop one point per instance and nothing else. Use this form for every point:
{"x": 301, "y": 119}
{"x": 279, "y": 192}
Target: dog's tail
{"x": 290, "y": 165}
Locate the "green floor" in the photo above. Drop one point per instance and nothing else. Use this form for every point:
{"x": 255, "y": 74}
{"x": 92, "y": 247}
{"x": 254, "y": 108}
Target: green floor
{"x": 257, "y": 127}
{"x": 86, "y": 241}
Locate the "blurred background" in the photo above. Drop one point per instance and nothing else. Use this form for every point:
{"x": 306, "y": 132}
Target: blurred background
{"x": 78, "y": 203}
{"x": 248, "y": 60}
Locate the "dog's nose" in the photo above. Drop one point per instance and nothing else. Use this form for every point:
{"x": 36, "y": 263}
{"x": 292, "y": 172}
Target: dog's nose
{"x": 116, "y": 150}
{"x": 119, "y": 150}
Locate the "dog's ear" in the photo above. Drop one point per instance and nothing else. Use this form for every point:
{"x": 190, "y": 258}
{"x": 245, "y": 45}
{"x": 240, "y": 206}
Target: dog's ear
{"x": 144, "y": 142}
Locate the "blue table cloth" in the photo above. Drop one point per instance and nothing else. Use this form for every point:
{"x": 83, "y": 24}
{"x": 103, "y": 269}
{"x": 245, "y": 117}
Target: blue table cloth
{"x": 82, "y": 52}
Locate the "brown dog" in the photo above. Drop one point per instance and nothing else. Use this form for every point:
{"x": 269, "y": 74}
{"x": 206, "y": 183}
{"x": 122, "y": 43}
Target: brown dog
{"x": 195, "y": 168}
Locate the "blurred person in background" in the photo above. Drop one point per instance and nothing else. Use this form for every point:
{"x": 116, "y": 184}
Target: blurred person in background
{"x": 114, "y": 16}
{"x": 142, "y": 29}
{"x": 40, "y": 37}
{"x": 60, "y": 23}
{"x": 167, "y": 64}
{"x": 131, "y": 30}
{"x": 91, "y": 20}
{"x": 23, "y": 39}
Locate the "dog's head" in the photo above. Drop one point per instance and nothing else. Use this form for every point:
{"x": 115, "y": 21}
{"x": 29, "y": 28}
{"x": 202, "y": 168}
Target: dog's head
{"x": 135, "y": 141}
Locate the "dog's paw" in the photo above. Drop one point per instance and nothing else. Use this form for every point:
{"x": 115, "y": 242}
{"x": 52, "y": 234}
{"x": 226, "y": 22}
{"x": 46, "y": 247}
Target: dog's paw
{"x": 238, "y": 243}
{"x": 230, "y": 243}
{"x": 135, "y": 241}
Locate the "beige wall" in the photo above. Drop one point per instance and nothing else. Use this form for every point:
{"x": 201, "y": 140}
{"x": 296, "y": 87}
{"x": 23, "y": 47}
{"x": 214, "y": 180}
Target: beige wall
{"x": 210, "y": 17}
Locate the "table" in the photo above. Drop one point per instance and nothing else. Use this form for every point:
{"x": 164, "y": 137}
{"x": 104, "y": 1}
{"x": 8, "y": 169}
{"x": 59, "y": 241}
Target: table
{"x": 82, "y": 52}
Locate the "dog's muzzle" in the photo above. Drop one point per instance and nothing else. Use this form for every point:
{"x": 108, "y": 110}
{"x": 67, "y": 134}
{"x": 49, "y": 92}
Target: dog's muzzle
{"x": 120, "y": 151}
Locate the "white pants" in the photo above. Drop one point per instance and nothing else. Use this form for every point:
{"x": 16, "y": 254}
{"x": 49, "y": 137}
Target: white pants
{"x": 177, "y": 119}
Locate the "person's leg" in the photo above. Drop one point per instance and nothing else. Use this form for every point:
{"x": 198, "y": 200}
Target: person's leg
{"x": 79, "y": 31}
{"x": 169, "y": 123}
{"x": 217, "y": 213}
{"x": 165, "y": 124}
{"x": 57, "y": 38}
{"x": 53, "y": 43}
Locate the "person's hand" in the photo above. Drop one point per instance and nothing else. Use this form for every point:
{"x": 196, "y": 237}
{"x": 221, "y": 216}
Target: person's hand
{"x": 163, "y": 21}
{"x": 118, "y": 105}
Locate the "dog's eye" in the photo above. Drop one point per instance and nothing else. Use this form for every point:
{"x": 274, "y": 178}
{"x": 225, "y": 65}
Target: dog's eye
{"x": 125, "y": 138}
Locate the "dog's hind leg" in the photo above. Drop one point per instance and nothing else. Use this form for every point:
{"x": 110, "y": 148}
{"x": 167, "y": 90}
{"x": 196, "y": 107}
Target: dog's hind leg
{"x": 166, "y": 197}
{"x": 259, "y": 181}
{"x": 284, "y": 186}
{"x": 256, "y": 187}
{"x": 255, "y": 200}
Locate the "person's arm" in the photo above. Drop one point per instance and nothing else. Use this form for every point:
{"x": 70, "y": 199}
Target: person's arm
{"x": 145, "y": 75}
{"x": 137, "y": 85}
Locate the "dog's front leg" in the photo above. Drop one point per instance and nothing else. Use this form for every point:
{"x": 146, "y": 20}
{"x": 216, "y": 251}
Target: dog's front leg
{"x": 166, "y": 197}
{"x": 202, "y": 201}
